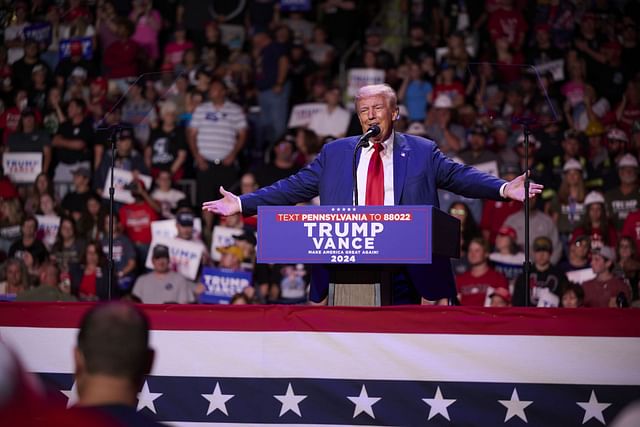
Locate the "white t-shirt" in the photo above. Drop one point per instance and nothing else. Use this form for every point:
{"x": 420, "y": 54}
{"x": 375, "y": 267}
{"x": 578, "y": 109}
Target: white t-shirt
{"x": 168, "y": 200}
{"x": 333, "y": 124}
{"x": 14, "y": 32}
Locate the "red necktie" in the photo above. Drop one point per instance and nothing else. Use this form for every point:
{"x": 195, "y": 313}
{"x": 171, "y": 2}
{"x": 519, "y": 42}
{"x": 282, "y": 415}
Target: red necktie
{"x": 375, "y": 178}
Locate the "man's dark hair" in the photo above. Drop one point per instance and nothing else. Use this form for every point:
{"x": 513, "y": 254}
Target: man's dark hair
{"x": 114, "y": 340}
{"x": 30, "y": 218}
{"x": 79, "y": 103}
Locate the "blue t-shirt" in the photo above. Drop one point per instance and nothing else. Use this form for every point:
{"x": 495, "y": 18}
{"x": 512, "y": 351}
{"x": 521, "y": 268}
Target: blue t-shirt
{"x": 416, "y": 99}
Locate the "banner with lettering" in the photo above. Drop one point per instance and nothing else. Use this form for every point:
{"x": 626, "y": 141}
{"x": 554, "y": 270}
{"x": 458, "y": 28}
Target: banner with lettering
{"x": 87, "y": 47}
{"x": 359, "y": 77}
{"x": 48, "y": 226}
{"x": 301, "y": 114}
{"x": 40, "y": 32}
{"x": 22, "y": 167}
{"x": 222, "y": 284}
{"x": 184, "y": 256}
{"x": 166, "y": 229}
{"x": 121, "y": 178}
{"x": 221, "y": 237}
{"x": 339, "y": 234}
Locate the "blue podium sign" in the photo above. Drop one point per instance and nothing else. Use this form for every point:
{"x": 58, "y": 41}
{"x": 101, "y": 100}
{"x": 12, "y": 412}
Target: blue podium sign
{"x": 345, "y": 234}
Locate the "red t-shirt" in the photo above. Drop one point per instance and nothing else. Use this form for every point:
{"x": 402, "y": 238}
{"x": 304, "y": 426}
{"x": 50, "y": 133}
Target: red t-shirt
{"x": 631, "y": 227}
{"x": 88, "y": 284}
{"x": 9, "y": 120}
{"x": 494, "y": 213}
{"x": 598, "y": 294}
{"x": 507, "y": 23}
{"x": 136, "y": 220}
{"x": 8, "y": 191}
{"x": 174, "y": 51}
{"x": 452, "y": 90}
{"x": 121, "y": 59}
{"x": 473, "y": 290}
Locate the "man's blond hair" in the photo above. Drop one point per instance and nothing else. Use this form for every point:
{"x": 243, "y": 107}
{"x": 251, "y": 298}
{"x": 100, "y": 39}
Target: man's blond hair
{"x": 377, "y": 90}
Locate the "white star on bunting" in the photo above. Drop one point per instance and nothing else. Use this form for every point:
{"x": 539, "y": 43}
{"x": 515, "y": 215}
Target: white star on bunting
{"x": 515, "y": 407}
{"x": 146, "y": 398}
{"x": 72, "y": 395}
{"x": 290, "y": 401}
{"x": 363, "y": 403}
{"x": 593, "y": 408}
{"x": 439, "y": 405}
{"x": 217, "y": 400}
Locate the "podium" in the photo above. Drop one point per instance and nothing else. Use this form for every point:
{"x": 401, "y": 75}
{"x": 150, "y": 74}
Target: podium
{"x": 362, "y": 246}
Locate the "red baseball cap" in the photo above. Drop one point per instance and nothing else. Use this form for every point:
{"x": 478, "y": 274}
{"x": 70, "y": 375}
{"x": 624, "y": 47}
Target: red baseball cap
{"x": 75, "y": 48}
{"x": 508, "y": 231}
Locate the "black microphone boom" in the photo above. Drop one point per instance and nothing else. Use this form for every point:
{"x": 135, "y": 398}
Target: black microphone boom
{"x": 363, "y": 142}
{"x": 370, "y": 133}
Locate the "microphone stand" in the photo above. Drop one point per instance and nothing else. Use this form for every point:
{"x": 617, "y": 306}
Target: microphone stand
{"x": 113, "y": 137}
{"x": 526, "y": 123}
{"x": 362, "y": 143}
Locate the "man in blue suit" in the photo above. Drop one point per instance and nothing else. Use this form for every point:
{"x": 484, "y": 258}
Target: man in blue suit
{"x": 408, "y": 171}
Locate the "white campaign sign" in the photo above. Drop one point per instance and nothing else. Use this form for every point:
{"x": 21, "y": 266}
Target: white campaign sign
{"x": 301, "y": 114}
{"x": 581, "y": 276}
{"x": 359, "y": 77}
{"x": 166, "y": 229}
{"x": 184, "y": 256}
{"x": 48, "y": 225}
{"x": 121, "y": 178}
{"x": 222, "y": 236}
{"x": 22, "y": 167}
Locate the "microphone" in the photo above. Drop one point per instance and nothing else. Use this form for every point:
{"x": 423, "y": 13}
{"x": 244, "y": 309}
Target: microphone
{"x": 363, "y": 142}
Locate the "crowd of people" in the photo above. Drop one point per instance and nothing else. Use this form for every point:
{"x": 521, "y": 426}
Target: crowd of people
{"x": 195, "y": 95}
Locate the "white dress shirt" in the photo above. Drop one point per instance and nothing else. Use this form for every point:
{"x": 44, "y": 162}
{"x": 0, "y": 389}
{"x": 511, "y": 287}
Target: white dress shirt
{"x": 387, "y": 166}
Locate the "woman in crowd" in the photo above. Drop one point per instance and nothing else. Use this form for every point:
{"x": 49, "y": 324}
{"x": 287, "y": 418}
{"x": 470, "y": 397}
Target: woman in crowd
{"x": 507, "y": 258}
{"x": 41, "y": 186}
{"x": 89, "y": 278}
{"x": 68, "y": 247}
{"x": 91, "y": 218}
{"x": 596, "y": 223}
{"x": 166, "y": 196}
{"x": 147, "y": 23}
{"x": 15, "y": 279}
{"x": 53, "y": 114}
{"x": 628, "y": 265}
{"x": 567, "y": 205}
{"x": 572, "y": 296}
{"x": 468, "y": 230}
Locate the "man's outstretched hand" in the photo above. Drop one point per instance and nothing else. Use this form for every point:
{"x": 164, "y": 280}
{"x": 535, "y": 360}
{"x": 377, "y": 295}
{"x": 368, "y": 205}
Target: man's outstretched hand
{"x": 228, "y": 205}
{"x": 515, "y": 188}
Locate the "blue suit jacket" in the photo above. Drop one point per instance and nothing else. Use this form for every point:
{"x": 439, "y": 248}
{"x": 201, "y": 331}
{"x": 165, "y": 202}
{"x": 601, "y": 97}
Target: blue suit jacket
{"x": 419, "y": 169}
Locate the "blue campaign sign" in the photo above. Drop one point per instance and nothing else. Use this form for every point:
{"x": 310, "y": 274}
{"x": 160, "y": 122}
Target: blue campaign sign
{"x": 344, "y": 234}
{"x": 222, "y": 284}
{"x": 40, "y": 32}
{"x": 295, "y": 5}
{"x": 86, "y": 43}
